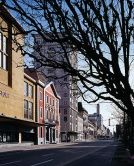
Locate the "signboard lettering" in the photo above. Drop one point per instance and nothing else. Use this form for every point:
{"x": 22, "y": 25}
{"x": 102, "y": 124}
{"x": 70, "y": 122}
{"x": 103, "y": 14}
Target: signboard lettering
{"x": 4, "y": 94}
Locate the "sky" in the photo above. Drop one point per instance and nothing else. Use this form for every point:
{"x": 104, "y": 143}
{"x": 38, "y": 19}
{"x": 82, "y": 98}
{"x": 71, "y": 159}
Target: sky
{"x": 105, "y": 111}
{"x": 105, "y": 108}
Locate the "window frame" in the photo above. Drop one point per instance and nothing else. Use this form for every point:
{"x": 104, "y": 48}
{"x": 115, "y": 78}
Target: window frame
{"x": 50, "y": 101}
{"x": 41, "y": 113}
{"x": 30, "y": 94}
{"x": 47, "y": 99}
{"x": 41, "y": 132}
{"x": 25, "y": 109}
{"x": 41, "y": 97}
{"x": 25, "y": 83}
{"x": 30, "y": 110}
{"x": 4, "y": 51}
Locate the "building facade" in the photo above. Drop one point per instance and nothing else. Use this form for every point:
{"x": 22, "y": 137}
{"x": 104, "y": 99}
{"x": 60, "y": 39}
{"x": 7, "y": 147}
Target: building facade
{"x": 68, "y": 103}
{"x": 16, "y": 115}
{"x": 47, "y": 109}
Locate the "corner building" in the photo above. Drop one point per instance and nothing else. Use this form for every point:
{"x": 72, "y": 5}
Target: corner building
{"x": 12, "y": 116}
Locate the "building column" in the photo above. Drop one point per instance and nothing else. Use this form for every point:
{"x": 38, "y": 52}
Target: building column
{"x": 45, "y": 134}
{"x": 20, "y": 139}
{"x": 55, "y": 135}
{"x": 52, "y": 134}
{"x": 49, "y": 135}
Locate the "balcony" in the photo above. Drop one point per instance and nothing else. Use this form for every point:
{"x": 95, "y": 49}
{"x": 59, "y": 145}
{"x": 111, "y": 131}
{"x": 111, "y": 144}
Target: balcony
{"x": 50, "y": 121}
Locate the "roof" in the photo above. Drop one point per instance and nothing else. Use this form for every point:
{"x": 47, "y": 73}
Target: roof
{"x": 9, "y": 17}
{"x": 36, "y": 75}
{"x": 54, "y": 89}
{"x": 31, "y": 72}
{"x": 80, "y": 107}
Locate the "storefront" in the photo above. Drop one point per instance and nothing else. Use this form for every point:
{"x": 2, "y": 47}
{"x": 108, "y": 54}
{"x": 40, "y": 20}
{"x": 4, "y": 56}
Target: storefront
{"x": 16, "y": 130}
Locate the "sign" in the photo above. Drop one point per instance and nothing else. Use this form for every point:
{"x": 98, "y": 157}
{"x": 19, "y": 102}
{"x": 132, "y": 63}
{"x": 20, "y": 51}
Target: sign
{"x": 4, "y": 94}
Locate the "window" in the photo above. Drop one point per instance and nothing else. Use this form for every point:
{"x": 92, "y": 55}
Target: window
{"x": 41, "y": 113}
{"x": 5, "y": 44}
{"x": 5, "y": 62}
{"x": 0, "y": 59}
{"x": 50, "y": 114}
{"x": 0, "y": 41}
{"x": 25, "y": 89}
{"x": 25, "y": 109}
{"x": 65, "y": 111}
{"x": 47, "y": 113}
{"x": 57, "y": 117}
{"x": 65, "y": 94}
{"x": 65, "y": 102}
{"x": 51, "y": 71}
{"x": 30, "y": 91}
{"x": 50, "y": 101}
{"x": 41, "y": 132}
{"x": 46, "y": 99}
{"x": 30, "y": 110}
{"x": 53, "y": 102}
{"x": 3, "y": 51}
{"x": 65, "y": 118}
{"x": 65, "y": 79}
{"x": 41, "y": 96}
{"x": 38, "y": 42}
{"x": 53, "y": 115}
{"x": 56, "y": 104}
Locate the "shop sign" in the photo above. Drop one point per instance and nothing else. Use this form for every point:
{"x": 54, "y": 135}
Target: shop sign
{"x": 4, "y": 94}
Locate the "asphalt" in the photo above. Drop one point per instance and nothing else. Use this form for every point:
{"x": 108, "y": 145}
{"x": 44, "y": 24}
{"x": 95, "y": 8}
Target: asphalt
{"x": 121, "y": 157}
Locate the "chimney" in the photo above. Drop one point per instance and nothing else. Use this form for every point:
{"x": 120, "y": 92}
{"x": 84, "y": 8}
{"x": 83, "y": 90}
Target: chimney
{"x": 98, "y": 109}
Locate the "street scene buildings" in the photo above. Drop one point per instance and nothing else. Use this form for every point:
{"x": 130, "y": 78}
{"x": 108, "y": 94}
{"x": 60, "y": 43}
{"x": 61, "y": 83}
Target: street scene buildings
{"x": 34, "y": 106}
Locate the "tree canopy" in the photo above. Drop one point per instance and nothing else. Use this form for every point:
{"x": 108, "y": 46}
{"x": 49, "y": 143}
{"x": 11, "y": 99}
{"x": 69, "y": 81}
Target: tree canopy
{"x": 102, "y": 34}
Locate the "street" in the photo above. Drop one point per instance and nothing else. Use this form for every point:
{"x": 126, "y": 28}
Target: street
{"x": 81, "y": 153}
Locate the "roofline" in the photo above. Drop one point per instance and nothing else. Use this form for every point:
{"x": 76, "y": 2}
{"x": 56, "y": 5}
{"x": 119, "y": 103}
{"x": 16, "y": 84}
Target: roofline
{"x": 11, "y": 17}
{"x": 30, "y": 78}
{"x": 51, "y": 83}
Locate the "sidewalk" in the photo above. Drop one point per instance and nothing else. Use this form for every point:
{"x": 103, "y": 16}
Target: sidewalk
{"x": 28, "y": 146}
{"x": 121, "y": 156}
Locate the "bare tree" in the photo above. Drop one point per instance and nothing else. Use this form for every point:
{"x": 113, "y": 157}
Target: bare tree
{"x": 117, "y": 114}
{"x": 101, "y": 31}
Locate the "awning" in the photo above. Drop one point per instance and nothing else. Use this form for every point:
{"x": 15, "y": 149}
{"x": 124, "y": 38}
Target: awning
{"x": 20, "y": 122}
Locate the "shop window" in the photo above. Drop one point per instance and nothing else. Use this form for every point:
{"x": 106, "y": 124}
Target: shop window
{"x": 25, "y": 109}
{"x": 41, "y": 112}
{"x": 30, "y": 110}
{"x": 30, "y": 91}
{"x": 25, "y": 88}
{"x": 41, "y": 132}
